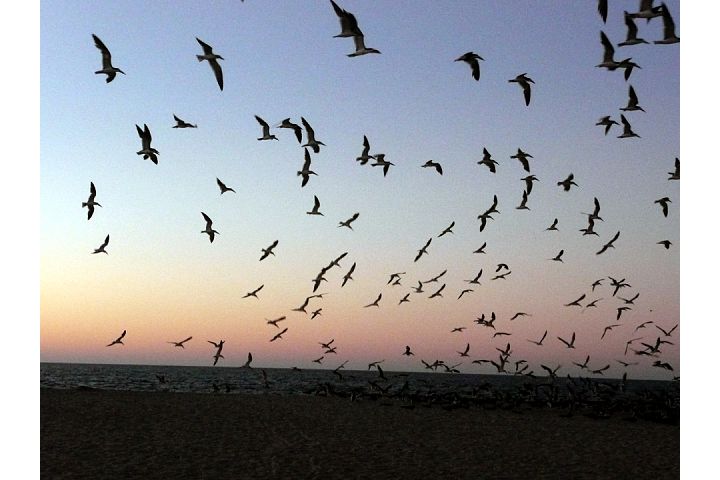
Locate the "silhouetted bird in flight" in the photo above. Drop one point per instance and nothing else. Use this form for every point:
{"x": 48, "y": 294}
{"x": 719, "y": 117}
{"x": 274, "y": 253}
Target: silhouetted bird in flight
{"x": 669, "y": 35}
{"x": 522, "y": 157}
{"x": 146, "y": 138}
{"x": 523, "y": 202}
{"x": 275, "y": 321}
{"x": 471, "y": 58}
{"x": 488, "y": 161}
{"x": 376, "y": 303}
{"x": 447, "y": 230}
{"x": 316, "y": 207}
{"x": 438, "y": 293}
{"x": 407, "y": 351}
{"x": 181, "y": 343}
{"x": 306, "y": 172}
{"x": 608, "y": 328}
{"x": 584, "y": 365}
{"x": 481, "y": 249}
{"x": 404, "y": 299}
{"x": 609, "y": 244}
{"x": 365, "y": 155}
{"x": 350, "y": 220}
{"x": 381, "y": 162}
{"x": 101, "y": 248}
{"x": 632, "y": 30}
{"x": 118, "y": 340}
{"x": 254, "y": 292}
{"x": 223, "y": 187}
{"x": 434, "y": 165}
{"x": 348, "y": 22}
{"x": 603, "y": 9}
{"x": 297, "y": 129}
{"x": 576, "y": 303}
{"x": 107, "y": 67}
{"x": 627, "y": 129}
{"x": 360, "y": 48}
{"x": 664, "y": 204}
{"x": 310, "y": 135}
{"x": 539, "y": 342}
{"x": 265, "y": 130}
{"x": 571, "y": 343}
{"x": 632, "y": 104}
{"x": 423, "y": 250}
{"x": 647, "y": 11}
{"x": 212, "y": 59}
{"x": 553, "y": 226}
{"x": 567, "y": 183}
{"x": 524, "y": 81}
{"x": 665, "y": 243}
{"x": 607, "y": 122}
{"x": 279, "y": 335}
{"x": 464, "y": 353}
{"x": 268, "y": 251}
{"x": 180, "y": 123}
{"x": 208, "y": 228}
{"x": 675, "y": 175}
{"x": 608, "y": 61}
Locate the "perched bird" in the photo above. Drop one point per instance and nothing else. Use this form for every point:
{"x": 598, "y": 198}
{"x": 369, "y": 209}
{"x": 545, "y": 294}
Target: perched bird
{"x": 667, "y": 333}
{"x": 665, "y": 243}
{"x": 306, "y": 172}
{"x": 348, "y": 275}
{"x": 223, "y": 187}
{"x": 607, "y": 122}
{"x": 447, "y": 230}
{"x": 567, "y": 182}
{"x": 275, "y": 321}
{"x": 265, "y": 130}
{"x": 376, "y": 303}
{"x": 360, "y": 48}
{"x": 539, "y": 342}
{"x": 524, "y": 81}
{"x": 208, "y": 228}
{"x": 350, "y": 220}
{"x": 297, "y": 129}
{"x": 669, "y": 35}
{"x": 107, "y": 67}
{"x": 212, "y": 59}
{"x": 632, "y": 104}
{"x": 553, "y": 226}
{"x": 118, "y": 340}
{"x": 268, "y": 251}
{"x": 423, "y": 250}
{"x": 632, "y": 31}
{"x": 571, "y": 343}
{"x": 147, "y": 151}
{"x": 254, "y": 292}
{"x": 365, "y": 155}
{"x": 522, "y": 157}
{"x": 310, "y": 135}
{"x": 609, "y": 244}
{"x": 179, "y": 123}
{"x": 434, "y": 165}
{"x": 180, "y": 343}
{"x": 664, "y": 204}
{"x": 348, "y": 23}
{"x": 316, "y": 207}
{"x": 627, "y": 129}
{"x": 471, "y": 58}
{"x": 279, "y": 335}
{"x": 101, "y": 248}
{"x": 675, "y": 175}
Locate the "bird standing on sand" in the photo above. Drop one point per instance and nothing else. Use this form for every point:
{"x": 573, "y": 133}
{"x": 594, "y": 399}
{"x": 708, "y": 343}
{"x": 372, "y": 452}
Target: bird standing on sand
{"x": 208, "y": 228}
{"x": 101, "y": 248}
{"x": 118, "y": 340}
{"x": 107, "y": 67}
{"x": 212, "y": 59}
{"x": 471, "y": 58}
{"x": 524, "y": 81}
{"x": 376, "y": 303}
{"x": 632, "y": 104}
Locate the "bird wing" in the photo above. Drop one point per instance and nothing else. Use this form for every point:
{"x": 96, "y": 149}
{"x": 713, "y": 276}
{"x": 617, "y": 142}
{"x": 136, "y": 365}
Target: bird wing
{"x": 308, "y": 128}
{"x": 207, "y": 49}
{"x": 106, "y": 57}
{"x": 526, "y": 92}
{"x": 306, "y": 165}
{"x": 603, "y": 9}
{"x": 609, "y": 52}
{"x": 668, "y": 23}
{"x": 105, "y": 243}
{"x": 316, "y": 207}
{"x": 217, "y": 69}
{"x": 475, "y": 65}
{"x": 263, "y": 123}
{"x": 632, "y": 28}
{"x": 208, "y": 222}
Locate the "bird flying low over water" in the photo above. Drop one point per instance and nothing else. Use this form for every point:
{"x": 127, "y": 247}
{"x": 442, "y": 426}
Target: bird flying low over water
{"x": 208, "y": 228}
{"x": 101, "y": 248}
{"x": 347, "y": 222}
{"x": 91, "y": 203}
{"x": 471, "y": 58}
{"x": 180, "y": 123}
{"x": 147, "y": 151}
{"x": 669, "y": 35}
{"x": 212, "y": 59}
{"x": 524, "y": 81}
{"x": 434, "y": 165}
{"x": 268, "y": 251}
{"x": 306, "y": 172}
{"x": 180, "y": 343}
{"x": 118, "y": 340}
{"x": 603, "y": 9}
{"x": 107, "y": 67}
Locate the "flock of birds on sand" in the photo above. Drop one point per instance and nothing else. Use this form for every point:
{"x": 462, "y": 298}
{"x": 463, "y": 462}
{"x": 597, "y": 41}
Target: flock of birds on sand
{"x": 640, "y": 346}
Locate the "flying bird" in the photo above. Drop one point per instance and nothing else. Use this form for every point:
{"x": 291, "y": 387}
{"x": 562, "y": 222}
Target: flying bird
{"x": 539, "y": 342}
{"x": 522, "y": 157}
{"x": 249, "y": 361}
{"x": 608, "y": 61}
{"x": 254, "y": 292}
{"x": 297, "y": 129}
{"x": 118, "y": 340}
{"x": 381, "y": 162}
{"x": 376, "y": 303}
{"x": 647, "y": 11}
{"x": 524, "y": 81}
{"x": 571, "y": 343}
{"x": 608, "y": 328}
{"x": 404, "y": 299}
{"x": 664, "y": 204}
{"x": 464, "y": 353}
{"x": 268, "y": 251}
{"x": 665, "y": 243}
{"x": 434, "y": 165}
{"x": 348, "y": 275}
{"x": 306, "y": 172}
{"x": 553, "y": 226}
{"x": 350, "y": 220}
{"x": 520, "y": 314}
{"x": 632, "y": 31}
{"x": 607, "y": 122}
{"x": 316, "y": 207}
{"x": 212, "y": 59}
{"x": 523, "y": 202}
{"x": 279, "y": 335}
{"x": 180, "y": 123}
{"x": 147, "y": 151}
{"x": 265, "y": 130}
{"x": 481, "y": 249}
{"x": 275, "y": 321}
{"x": 471, "y": 58}
{"x": 181, "y": 343}
{"x": 669, "y": 35}
{"x": 101, "y": 248}
{"x": 576, "y": 302}
{"x": 609, "y": 244}
{"x": 310, "y": 134}
{"x": 223, "y": 187}
{"x": 565, "y": 184}
{"x": 558, "y": 257}
{"x": 360, "y": 48}
{"x": 627, "y": 129}
{"x": 348, "y": 23}
{"x": 488, "y": 161}
{"x": 620, "y": 311}
{"x": 423, "y": 250}
{"x": 407, "y": 351}
{"x": 632, "y": 104}
{"x": 447, "y": 230}
{"x": 208, "y": 228}
{"x": 438, "y": 292}
{"x": 365, "y": 155}
{"x": 675, "y": 175}
{"x": 107, "y": 67}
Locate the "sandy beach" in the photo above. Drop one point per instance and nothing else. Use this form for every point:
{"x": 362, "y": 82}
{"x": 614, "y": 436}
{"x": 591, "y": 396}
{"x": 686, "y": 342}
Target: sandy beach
{"x": 109, "y": 434}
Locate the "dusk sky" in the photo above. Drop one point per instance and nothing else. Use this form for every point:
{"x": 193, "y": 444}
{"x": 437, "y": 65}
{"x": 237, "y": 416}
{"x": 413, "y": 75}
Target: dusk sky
{"x": 164, "y": 281}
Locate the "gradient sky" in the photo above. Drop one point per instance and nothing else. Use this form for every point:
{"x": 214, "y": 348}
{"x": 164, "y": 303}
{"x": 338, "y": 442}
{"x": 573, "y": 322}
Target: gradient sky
{"x": 163, "y": 280}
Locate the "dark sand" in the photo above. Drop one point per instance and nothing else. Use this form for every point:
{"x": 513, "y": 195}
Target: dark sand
{"x": 134, "y": 435}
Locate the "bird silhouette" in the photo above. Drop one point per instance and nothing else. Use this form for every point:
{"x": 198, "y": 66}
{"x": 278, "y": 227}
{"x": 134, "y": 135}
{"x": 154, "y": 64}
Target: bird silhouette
{"x": 675, "y": 175}
{"x": 603, "y": 9}
{"x": 107, "y": 67}
{"x": 208, "y": 228}
{"x": 101, "y": 248}
{"x": 423, "y": 250}
{"x": 488, "y": 161}
{"x": 609, "y": 244}
{"x": 265, "y": 129}
{"x": 350, "y": 220}
{"x": 316, "y": 208}
{"x": 632, "y": 104}
{"x": 434, "y": 165}
{"x": 539, "y": 342}
{"x": 348, "y": 275}
{"x": 665, "y": 243}
{"x": 471, "y": 58}
{"x": 223, "y": 188}
{"x": 571, "y": 343}
{"x": 524, "y": 81}
{"x": 268, "y": 251}
{"x": 118, "y": 340}
{"x": 181, "y": 343}
{"x": 279, "y": 335}
{"x": 360, "y": 48}
{"x": 365, "y": 156}
{"x": 576, "y": 302}
{"x": 91, "y": 203}
{"x": 348, "y": 23}
{"x": 447, "y": 230}
{"x": 275, "y": 321}
{"x": 212, "y": 59}
{"x": 310, "y": 135}
{"x": 407, "y": 351}
{"x": 297, "y": 129}
{"x": 180, "y": 123}
{"x": 146, "y": 138}
{"x": 567, "y": 183}
{"x": 606, "y": 122}
{"x": 663, "y": 202}
{"x": 522, "y": 157}
{"x": 553, "y": 226}
{"x": 376, "y": 303}
{"x": 254, "y": 292}
{"x": 669, "y": 35}
{"x": 632, "y": 30}
{"x": 306, "y": 172}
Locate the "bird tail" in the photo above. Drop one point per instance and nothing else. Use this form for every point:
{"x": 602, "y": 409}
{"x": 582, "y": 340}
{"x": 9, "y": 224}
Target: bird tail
{"x": 200, "y": 58}
{"x": 84, "y": 204}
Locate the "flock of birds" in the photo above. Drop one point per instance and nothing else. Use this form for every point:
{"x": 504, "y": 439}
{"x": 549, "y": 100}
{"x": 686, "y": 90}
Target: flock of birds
{"x": 650, "y": 345}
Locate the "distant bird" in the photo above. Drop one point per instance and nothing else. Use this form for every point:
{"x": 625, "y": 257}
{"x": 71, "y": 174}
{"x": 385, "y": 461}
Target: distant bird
{"x": 558, "y": 257}
{"x": 553, "y": 226}
{"x": 223, "y": 188}
{"x": 664, "y": 204}
{"x": 180, "y": 343}
{"x": 522, "y": 157}
{"x": 643, "y": 325}
{"x": 567, "y": 183}
{"x": 481, "y": 249}
{"x": 265, "y": 130}
{"x": 249, "y": 361}
{"x": 381, "y": 162}
{"x": 476, "y": 280}
{"x": 348, "y": 23}
{"x": 665, "y": 365}
{"x": 147, "y": 151}
{"x": 607, "y": 122}
{"x": 374, "y": 364}
{"x": 179, "y": 123}
{"x": 326, "y": 345}
{"x": 603, "y": 9}
{"x": 404, "y": 299}
{"x": 423, "y": 250}
{"x": 419, "y": 288}
{"x": 524, "y": 81}
{"x": 609, "y": 244}
{"x": 632, "y": 31}
{"x": 630, "y": 301}
{"x": 212, "y": 59}
{"x": 407, "y": 351}
{"x": 669, "y": 35}
{"x": 365, "y": 155}
{"x": 310, "y": 134}
{"x": 279, "y": 335}
{"x": 665, "y": 243}
{"x": 576, "y": 303}
{"x": 647, "y": 11}
{"x": 301, "y": 308}
{"x": 316, "y": 207}
{"x": 306, "y": 172}
{"x": 471, "y": 58}
{"x": 675, "y": 175}
{"x": 571, "y": 343}
{"x": 434, "y": 165}
{"x": 488, "y": 161}
{"x": 608, "y": 328}
{"x": 523, "y": 202}
{"x": 627, "y": 129}
{"x": 592, "y": 304}
{"x": 319, "y": 360}
{"x": 348, "y": 275}
{"x": 118, "y": 340}
{"x": 667, "y": 333}
{"x": 464, "y": 353}
{"x": 395, "y": 277}
{"x": 520, "y": 314}
{"x": 218, "y": 355}
{"x": 596, "y": 283}
{"x": 297, "y": 129}
{"x": 376, "y": 303}
{"x": 447, "y": 230}
{"x": 608, "y": 61}
{"x": 551, "y": 371}
{"x": 499, "y": 277}
{"x": 268, "y": 251}
{"x": 438, "y": 293}
{"x": 529, "y": 180}
{"x": 620, "y": 311}
{"x": 101, "y": 248}
{"x": 360, "y": 48}
{"x": 457, "y": 329}
{"x": 254, "y": 292}
{"x": 632, "y": 104}
{"x": 107, "y": 67}
{"x": 208, "y": 228}
{"x": 350, "y": 220}
{"x": 583, "y": 365}
{"x": 316, "y": 313}
{"x": 275, "y": 321}
{"x": 600, "y": 371}
{"x": 539, "y": 342}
